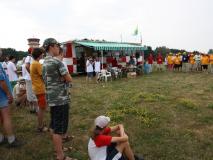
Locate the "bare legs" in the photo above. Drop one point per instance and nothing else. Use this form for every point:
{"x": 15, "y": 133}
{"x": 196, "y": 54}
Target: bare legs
{"x": 125, "y": 148}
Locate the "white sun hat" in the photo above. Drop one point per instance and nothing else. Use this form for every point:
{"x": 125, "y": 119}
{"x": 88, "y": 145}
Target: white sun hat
{"x": 102, "y": 121}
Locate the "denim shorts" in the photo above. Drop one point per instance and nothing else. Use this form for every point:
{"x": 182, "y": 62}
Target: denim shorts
{"x": 3, "y": 104}
{"x": 90, "y": 74}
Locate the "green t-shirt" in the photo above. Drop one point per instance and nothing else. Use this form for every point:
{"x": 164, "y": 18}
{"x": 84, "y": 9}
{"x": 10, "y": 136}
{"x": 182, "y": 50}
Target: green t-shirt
{"x": 56, "y": 89}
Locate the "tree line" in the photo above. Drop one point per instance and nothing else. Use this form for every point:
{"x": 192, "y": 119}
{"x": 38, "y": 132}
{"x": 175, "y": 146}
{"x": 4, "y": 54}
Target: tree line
{"x": 164, "y": 51}
{"x": 10, "y": 51}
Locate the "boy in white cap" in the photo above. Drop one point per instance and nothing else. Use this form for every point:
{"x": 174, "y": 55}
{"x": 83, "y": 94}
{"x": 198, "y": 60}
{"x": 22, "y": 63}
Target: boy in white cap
{"x": 102, "y": 146}
{"x": 19, "y": 92}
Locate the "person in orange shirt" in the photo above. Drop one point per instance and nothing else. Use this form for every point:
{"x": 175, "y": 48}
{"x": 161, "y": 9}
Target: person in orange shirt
{"x": 38, "y": 87}
{"x": 170, "y": 62}
{"x": 204, "y": 62}
{"x": 211, "y": 62}
{"x": 176, "y": 62}
{"x": 191, "y": 62}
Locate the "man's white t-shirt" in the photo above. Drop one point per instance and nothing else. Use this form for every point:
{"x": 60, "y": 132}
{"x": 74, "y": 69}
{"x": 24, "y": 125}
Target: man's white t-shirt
{"x": 41, "y": 61}
{"x": 97, "y": 66}
{"x": 89, "y": 66}
{"x": 4, "y": 65}
{"x": 25, "y": 73}
{"x": 11, "y": 70}
{"x": 197, "y": 57}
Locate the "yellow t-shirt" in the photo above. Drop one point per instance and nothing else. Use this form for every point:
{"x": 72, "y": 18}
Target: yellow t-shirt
{"x": 211, "y": 59}
{"x": 169, "y": 60}
{"x": 177, "y": 60}
{"x": 204, "y": 60}
{"x": 36, "y": 77}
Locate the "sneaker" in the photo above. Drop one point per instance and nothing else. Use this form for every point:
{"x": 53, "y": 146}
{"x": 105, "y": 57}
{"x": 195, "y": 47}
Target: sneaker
{"x": 15, "y": 143}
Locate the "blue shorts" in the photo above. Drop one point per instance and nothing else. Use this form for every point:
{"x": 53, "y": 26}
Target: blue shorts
{"x": 3, "y": 104}
{"x": 90, "y": 74}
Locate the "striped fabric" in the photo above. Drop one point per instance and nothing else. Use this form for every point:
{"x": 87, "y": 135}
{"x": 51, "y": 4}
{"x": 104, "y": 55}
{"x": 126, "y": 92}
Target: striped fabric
{"x": 111, "y": 46}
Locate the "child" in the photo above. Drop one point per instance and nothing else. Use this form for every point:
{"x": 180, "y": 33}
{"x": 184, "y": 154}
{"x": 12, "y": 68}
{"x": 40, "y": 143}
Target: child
{"x": 19, "y": 93}
{"x": 38, "y": 87}
{"x": 103, "y": 146}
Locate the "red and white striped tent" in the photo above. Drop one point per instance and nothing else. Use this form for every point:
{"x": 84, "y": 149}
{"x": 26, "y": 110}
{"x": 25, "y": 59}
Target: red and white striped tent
{"x": 123, "y": 50}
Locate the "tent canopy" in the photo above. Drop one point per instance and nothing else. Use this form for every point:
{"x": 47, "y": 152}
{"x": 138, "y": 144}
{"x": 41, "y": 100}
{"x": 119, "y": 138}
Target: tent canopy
{"x": 111, "y": 46}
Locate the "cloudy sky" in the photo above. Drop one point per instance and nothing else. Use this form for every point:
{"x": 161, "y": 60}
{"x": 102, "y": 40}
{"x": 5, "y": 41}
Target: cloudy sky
{"x": 182, "y": 24}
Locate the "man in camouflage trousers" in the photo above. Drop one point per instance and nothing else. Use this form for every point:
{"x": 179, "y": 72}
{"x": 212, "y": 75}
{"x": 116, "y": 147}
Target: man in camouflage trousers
{"x": 56, "y": 78}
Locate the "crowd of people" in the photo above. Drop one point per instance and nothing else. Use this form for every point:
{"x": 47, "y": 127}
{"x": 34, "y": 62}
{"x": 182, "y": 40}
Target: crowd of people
{"x": 40, "y": 85}
{"x": 185, "y": 62}
{"x": 46, "y": 83}
{"x": 178, "y": 62}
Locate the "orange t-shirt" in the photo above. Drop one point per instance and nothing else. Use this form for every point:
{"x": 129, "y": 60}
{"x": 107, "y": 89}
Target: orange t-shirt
{"x": 36, "y": 77}
{"x": 191, "y": 60}
{"x": 211, "y": 59}
{"x": 204, "y": 60}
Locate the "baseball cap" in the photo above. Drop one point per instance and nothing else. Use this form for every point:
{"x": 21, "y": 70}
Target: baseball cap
{"x": 50, "y": 41}
{"x": 102, "y": 121}
{"x": 21, "y": 79}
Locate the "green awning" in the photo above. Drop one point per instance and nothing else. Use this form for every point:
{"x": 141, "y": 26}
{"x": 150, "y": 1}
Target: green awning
{"x": 111, "y": 46}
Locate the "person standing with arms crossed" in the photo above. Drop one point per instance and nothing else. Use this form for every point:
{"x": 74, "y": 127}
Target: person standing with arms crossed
{"x": 56, "y": 77}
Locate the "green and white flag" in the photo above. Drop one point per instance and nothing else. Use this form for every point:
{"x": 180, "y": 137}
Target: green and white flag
{"x": 136, "y": 31}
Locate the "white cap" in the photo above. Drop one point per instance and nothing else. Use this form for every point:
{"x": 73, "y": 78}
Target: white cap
{"x": 20, "y": 79}
{"x": 102, "y": 121}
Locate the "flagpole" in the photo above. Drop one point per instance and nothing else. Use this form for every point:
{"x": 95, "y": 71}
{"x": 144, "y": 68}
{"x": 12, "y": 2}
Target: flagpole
{"x": 121, "y": 38}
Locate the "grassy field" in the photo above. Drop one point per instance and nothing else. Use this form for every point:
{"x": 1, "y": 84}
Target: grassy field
{"x": 168, "y": 116}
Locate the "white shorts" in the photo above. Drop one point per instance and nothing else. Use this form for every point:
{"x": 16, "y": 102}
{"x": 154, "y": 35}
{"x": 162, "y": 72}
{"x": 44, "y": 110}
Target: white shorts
{"x": 31, "y": 97}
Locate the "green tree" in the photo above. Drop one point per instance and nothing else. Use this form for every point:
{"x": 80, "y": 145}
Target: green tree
{"x": 148, "y": 51}
{"x": 163, "y": 50}
{"x": 10, "y": 51}
{"x": 210, "y": 51}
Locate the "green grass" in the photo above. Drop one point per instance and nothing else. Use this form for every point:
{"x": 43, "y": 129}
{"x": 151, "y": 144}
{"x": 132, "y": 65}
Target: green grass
{"x": 167, "y": 116}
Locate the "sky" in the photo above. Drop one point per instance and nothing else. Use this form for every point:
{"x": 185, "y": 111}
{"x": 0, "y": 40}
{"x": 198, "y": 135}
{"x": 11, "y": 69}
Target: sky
{"x": 180, "y": 24}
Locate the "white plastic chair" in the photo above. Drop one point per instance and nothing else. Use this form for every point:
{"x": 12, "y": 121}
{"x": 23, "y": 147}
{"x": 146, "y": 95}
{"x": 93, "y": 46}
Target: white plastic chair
{"x": 104, "y": 75}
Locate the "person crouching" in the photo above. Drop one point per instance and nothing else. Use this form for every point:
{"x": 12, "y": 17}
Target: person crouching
{"x": 19, "y": 93}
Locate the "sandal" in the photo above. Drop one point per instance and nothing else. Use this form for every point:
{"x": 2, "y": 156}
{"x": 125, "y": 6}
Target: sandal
{"x": 42, "y": 129}
{"x": 67, "y": 138}
{"x": 65, "y": 149}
